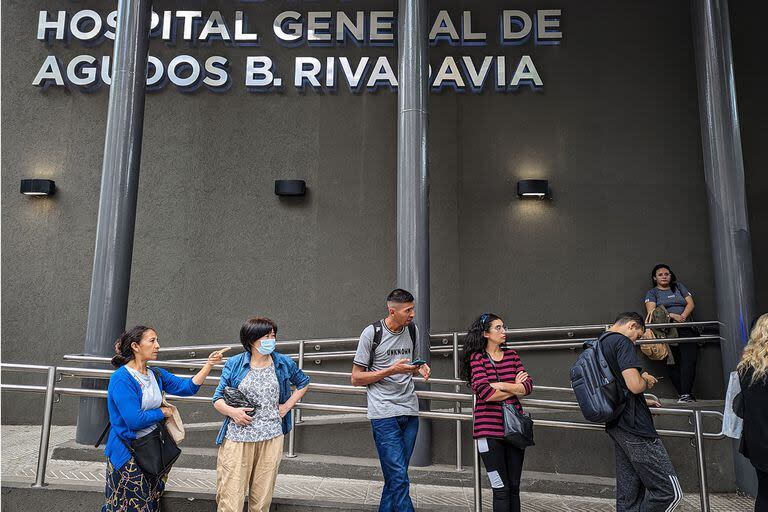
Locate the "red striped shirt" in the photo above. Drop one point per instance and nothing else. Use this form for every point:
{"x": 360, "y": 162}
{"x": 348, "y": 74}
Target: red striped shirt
{"x": 489, "y": 421}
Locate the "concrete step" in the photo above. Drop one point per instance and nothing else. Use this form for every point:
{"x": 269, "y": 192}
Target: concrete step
{"x": 79, "y": 484}
{"x": 61, "y": 497}
{"x": 317, "y": 494}
{"x": 359, "y": 468}
{"x": 566, "y": 461}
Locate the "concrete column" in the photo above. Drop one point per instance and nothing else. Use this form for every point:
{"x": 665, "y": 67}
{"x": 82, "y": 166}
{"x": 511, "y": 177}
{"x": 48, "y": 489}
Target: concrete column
{"x": 726, "y": 194}
{"x": 413, "y": 181}
{"x": 117, "y": 202}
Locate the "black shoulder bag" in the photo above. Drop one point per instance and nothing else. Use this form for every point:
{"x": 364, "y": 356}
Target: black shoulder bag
{"x": 518, "y": 426}
{"x": 156, "y": 452}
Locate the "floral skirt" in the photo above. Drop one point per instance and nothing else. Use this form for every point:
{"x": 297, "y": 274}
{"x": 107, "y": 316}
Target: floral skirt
{"x": 130, "y": 490}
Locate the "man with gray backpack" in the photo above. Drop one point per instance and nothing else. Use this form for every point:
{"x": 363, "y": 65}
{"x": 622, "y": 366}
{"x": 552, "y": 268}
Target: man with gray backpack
{"x": 609, "y": 385}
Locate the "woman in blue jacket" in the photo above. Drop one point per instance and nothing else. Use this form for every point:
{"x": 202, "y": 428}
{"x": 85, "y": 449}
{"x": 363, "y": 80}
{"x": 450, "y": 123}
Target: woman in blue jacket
{"x": 134, "y": 400}
{"x": 251, "y": 439}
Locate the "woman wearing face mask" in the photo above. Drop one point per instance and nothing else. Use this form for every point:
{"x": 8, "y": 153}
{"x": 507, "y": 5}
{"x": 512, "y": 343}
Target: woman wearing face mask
{"x": 251, "y": 441}
{"x": 134, "y": 401}
{"x": 667, "y": 291}
{"x": 496, "y": 375}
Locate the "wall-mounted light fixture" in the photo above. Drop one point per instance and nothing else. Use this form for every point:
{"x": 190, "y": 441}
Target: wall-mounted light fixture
{"x": 533, "y": 189}
{"x": 38, "y": 187}
{"x": 290, "y": 188}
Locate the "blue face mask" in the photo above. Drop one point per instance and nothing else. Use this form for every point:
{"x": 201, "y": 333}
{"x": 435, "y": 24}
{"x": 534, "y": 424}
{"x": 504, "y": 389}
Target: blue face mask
{"x": 267, "y": 346}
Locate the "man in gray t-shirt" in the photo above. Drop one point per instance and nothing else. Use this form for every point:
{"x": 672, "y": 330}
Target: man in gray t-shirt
{"x": 392, "y": 404}
{"x": 393, "y": 395}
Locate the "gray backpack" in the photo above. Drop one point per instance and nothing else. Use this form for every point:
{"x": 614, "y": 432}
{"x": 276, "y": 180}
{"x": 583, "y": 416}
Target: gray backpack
{"x": 600, "y": 396}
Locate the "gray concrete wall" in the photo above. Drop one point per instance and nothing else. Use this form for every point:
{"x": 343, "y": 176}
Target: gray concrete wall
{"x": 615, "y": 130}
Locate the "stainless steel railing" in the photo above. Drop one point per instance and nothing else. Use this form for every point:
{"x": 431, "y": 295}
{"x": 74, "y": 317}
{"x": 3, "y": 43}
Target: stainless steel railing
{"x": 442, "y": 347}
{"x": 193, "y": 351}
{"x": 557, "y": 344}
{"x": 51, "y": 391}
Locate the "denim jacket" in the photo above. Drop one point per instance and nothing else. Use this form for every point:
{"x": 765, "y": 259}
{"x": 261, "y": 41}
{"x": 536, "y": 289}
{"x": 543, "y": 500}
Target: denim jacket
{"x": 237, "y": 368}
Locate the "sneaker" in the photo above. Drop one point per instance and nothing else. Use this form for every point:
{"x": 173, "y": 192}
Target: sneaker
{"x": 685, "y": 399}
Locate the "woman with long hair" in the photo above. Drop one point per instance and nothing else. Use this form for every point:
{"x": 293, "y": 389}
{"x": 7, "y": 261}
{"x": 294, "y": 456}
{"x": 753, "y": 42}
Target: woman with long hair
{"x": 134, "y": 401}
{"x": 495, "y": 374}
{"x": 753, "y": 377}
{"x": 667, "y": 291}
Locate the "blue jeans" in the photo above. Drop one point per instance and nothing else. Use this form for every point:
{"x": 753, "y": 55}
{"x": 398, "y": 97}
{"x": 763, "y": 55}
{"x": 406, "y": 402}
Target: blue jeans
{"x": 395, "y": 438}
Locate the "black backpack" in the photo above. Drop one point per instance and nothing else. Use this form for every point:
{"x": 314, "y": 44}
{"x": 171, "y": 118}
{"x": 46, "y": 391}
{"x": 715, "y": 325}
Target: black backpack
{"x": 378, "y": 327}
{"x": 600, "y": 396}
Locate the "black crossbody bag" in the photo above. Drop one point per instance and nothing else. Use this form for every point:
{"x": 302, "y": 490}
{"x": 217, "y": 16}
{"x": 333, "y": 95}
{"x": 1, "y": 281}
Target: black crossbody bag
{"x": 156, "y": 452}
{"x": 518, "y": 426}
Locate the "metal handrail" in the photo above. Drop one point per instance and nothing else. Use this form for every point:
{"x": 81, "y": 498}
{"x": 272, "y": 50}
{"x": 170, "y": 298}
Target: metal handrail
{"x": 213, "y": 380}
{"x": 50, "y": 391}
{"x": 318, "y": 387}
{"x": 456, "y": 397}
{"x": 349, "y": 354}
{"x": 593, "y": 327}
{"x": 529, "y": 345}
{"x": 82, "y": 358}
{"x": 522, "y": 331}
{"x": 455, "y": 382}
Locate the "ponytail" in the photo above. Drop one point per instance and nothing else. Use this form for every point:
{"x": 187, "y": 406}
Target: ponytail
{"x": 123, "y": 349}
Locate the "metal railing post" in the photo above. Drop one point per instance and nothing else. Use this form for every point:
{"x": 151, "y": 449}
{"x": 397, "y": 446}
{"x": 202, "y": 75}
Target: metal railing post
{"x": 703, "y": 486}
{"x": 45, "y": 435}
{"x": 457, "y": 405}
{"x": 478, "y": 490}
{"x": 295, "y": 413}
{"x": 292, "y": 437}
{"x": 301, "y": 367}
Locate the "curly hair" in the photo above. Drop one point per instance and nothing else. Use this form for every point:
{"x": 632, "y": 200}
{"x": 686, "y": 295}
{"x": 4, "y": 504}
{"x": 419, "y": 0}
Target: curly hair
{"x": 475, "y": 342}
{"x": 755, "y": 354}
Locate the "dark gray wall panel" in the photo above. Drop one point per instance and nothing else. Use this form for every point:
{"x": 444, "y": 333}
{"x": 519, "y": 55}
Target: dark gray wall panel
{"x": 751, "y": 76}
{"x": 615, "y": 130}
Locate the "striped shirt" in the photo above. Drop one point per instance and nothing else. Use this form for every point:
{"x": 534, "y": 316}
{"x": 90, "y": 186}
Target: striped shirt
{"x": 489, "y": 421}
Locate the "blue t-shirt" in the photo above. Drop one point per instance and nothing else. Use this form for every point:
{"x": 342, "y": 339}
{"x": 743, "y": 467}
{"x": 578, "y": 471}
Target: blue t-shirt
{"x": 674, "y": 301}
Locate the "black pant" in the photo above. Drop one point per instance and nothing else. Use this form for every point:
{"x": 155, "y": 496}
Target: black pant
{"x": 761, "y": 505}
{"x": 683, "y": 372}
{"x": 504, "y": 464}
{"x": 645, "y": 478}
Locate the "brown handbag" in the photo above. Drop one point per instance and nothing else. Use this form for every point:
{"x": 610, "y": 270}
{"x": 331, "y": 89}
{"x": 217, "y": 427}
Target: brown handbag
{"x": 654, "y": 351}
{"x": 174, "y": 425}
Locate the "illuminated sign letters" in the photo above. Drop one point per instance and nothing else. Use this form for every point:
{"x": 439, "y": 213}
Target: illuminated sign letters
{"x": 294, "y": 29}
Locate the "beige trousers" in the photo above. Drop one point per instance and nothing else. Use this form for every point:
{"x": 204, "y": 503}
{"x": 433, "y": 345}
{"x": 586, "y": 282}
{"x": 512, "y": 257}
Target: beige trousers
{"x": 247, "y": 468}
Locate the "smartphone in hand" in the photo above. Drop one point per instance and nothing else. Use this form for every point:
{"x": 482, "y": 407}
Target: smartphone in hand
{"x": 418, "y": 362}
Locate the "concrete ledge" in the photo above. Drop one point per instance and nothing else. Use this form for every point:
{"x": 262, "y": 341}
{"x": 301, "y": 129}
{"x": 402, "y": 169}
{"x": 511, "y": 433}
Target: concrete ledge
{"x": 358, "y": 468}
{"x": 19, "y": 496}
